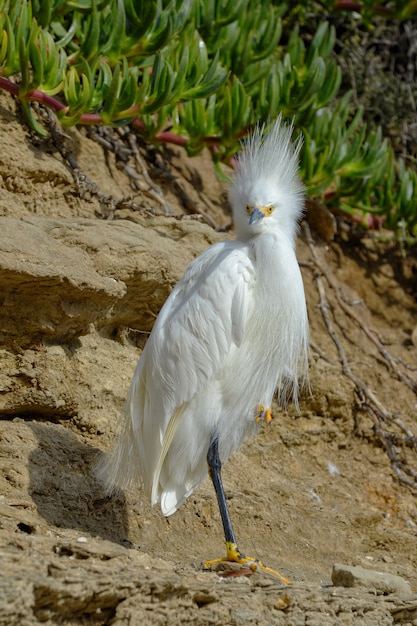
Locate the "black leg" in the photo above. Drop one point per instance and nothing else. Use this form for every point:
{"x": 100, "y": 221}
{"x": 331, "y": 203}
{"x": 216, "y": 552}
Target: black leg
{"x": 215, "y": 467}
{"x": 233, "y": 553}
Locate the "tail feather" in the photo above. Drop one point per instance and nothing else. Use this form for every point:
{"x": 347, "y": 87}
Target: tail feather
{"x": 120, "y": 468}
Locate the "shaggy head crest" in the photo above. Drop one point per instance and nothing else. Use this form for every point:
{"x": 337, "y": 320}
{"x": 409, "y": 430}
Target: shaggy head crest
{"x": 266, "y": 174}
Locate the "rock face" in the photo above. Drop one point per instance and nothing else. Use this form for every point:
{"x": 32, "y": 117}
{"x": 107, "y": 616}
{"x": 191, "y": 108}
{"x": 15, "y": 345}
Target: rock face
{"x": 49, "y": 288}
{"x": 58, "y": 276}
{"x": 78, "y": 297}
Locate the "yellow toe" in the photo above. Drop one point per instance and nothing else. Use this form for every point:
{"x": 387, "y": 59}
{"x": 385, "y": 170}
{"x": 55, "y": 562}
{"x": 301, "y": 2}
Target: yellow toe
{"x": 233, "y": 554}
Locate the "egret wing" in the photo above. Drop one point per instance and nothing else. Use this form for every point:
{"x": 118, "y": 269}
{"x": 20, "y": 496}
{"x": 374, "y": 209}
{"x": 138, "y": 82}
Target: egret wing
{"x": 202, "y": 319}
{"x": 204, "y": 315}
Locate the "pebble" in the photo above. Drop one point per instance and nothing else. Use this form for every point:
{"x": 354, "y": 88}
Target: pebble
{"x": 381, "y": 582}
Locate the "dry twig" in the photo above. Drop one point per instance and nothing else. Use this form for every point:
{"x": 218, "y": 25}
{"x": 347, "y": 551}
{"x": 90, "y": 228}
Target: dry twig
{"x": 379, "y": 414}
{"x": 123, "y": 143}
{"x": 86, "y": 188}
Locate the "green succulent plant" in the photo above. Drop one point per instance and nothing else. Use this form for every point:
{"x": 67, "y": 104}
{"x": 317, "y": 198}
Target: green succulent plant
{"x": 201, "y": 73}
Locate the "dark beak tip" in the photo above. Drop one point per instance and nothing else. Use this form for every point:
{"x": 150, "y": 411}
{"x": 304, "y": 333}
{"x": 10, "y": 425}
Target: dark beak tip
{"x": 255, "y": 216}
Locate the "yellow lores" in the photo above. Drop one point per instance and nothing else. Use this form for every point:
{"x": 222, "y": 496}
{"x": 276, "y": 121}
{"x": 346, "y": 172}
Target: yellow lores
{"x": 266, "y": 210}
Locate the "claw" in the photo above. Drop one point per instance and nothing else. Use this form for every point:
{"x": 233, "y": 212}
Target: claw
{"x": 259, "y": 413}
{"x": 233, "y": 554}
{"x": 263, "y": 414}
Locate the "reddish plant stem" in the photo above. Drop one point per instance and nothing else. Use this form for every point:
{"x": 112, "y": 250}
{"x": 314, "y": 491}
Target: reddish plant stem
{"x": 35, "y": 95}
{"x": 7, "y": 85}
{"x": 164, "y": 137}
{"x": 348, "y": 5}
{"x": 351, "y": 5}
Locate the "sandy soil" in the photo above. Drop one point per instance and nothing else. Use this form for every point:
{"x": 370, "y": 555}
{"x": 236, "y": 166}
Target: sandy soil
{"x": 322, "y": 486}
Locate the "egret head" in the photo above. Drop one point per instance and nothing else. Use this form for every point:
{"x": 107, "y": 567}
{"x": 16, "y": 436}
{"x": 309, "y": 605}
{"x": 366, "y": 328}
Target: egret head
{"x": 266, "y": 192}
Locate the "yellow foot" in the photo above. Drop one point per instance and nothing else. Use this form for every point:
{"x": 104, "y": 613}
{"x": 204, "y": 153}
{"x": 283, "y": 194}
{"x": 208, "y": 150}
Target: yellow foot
{"x": 263, "y": 414}
{"x": 233, "y": 554}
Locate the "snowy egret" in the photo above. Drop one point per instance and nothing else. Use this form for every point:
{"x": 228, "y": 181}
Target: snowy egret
{"x": 233, "y": 331}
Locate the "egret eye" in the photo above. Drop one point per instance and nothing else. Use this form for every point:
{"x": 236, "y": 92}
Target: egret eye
{"x": 248, "y": 209}
{"x": 269, "y": 210}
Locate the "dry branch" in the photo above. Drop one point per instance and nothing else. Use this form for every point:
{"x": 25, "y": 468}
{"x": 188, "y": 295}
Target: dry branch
{"x": 390, "y": 440}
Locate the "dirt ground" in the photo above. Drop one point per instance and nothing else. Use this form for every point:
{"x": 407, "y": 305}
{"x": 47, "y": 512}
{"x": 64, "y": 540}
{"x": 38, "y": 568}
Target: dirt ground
{"x": 82, "y": 278}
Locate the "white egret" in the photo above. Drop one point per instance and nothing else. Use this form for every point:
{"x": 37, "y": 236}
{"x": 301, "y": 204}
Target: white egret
{"x": 233, "y": 331}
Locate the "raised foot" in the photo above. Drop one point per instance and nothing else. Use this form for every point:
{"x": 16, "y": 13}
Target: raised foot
{"x": 263, "y": 415}
{"x": 233, "y": 554}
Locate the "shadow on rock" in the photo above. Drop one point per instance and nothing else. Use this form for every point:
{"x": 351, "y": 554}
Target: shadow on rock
{"x": 64, "y": 487}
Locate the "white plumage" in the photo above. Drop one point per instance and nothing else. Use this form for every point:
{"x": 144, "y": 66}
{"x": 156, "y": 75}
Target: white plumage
{"x": 233, "y": 331}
